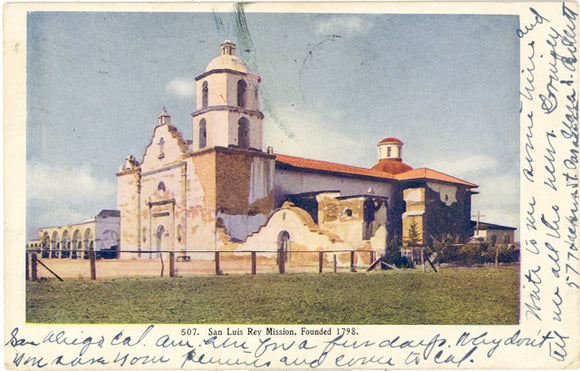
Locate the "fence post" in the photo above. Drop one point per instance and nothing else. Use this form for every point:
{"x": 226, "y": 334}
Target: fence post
{"x": 93, "y": 258}
{"x": 282, "y": 265}
{"x": 352, "y": 261}
{"x": 27, "y": 266}
{"x": 254, "y": 269}
{"x": 34, "y": 267}
{"x": 171, "y": 264}
{"x": 217, "y": 263}
{"x": 320, "y": 261}
{"x": 334, "y": 263}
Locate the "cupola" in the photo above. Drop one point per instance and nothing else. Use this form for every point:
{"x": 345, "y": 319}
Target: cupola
{"x": 164, "y": 118}
{"x": 391, "y": 148}
{"x": 391, "y": 157}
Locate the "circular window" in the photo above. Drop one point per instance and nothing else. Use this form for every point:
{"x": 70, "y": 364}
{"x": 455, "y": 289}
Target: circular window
{"x": 348, "y": 212}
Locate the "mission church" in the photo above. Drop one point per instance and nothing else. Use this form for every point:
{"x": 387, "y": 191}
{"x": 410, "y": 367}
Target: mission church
{"x": 224, "y": 191}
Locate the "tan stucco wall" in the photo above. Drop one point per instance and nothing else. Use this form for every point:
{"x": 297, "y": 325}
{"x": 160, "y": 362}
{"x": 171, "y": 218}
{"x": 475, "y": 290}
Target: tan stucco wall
{"x": 128, "y": 186}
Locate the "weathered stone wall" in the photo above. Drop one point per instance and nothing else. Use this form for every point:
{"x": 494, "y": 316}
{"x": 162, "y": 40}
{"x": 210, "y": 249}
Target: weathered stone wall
{"x": 201, "y": 201}
{"x": 438, "y": 209}
{"x": 304, "y": 234}
{"x": 343, "y": 217}
{"x": 448, "y": 211}
{"x": 244, "y": 190}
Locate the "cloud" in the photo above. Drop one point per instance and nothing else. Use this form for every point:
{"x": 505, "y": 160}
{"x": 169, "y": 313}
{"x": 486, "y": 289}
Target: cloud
{"x": 466, "y": 165}
{"x": 58, "y": 195}
{"x": 344, "y": 26}
{"x": 309, "y": 135}
{"x": 181, "y": 86}
{"x": 52, "y": 183}
{"x": 498, "y": 199}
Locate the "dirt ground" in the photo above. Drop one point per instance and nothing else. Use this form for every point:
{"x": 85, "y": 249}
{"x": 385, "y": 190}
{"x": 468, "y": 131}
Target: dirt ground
{"x": 110, "y": 268}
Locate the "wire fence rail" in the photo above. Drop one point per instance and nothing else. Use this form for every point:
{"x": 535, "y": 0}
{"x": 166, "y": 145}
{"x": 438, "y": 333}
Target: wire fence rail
{"x": 179, "y": 263}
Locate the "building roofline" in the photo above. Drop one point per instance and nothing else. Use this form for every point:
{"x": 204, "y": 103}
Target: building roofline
{"x": 429, "y": 174}
{"x": 485, "y": 225}
{"x": 365, "y": 195}
{"x": 324, "y": 167}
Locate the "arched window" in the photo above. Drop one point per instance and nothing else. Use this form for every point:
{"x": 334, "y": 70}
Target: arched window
{"x": 242, "y": 87}
{"x": 244, "y": 133}
{"x": 204, "y": 95}
{"x": 159, "y": 235}
{"x": 161, "y": 189}
{"x": 506, "y": 238}
{"x": 202, "y": 134}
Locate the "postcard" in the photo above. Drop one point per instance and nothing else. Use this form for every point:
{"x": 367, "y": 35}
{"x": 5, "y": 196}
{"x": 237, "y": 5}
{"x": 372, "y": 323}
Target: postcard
{"x": 333, "y": 185}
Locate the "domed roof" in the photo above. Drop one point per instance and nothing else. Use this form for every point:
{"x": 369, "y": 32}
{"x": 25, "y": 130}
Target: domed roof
{"x": 390, "y": 140}
{"x": 391, "y": 166}
{"x": 227, "y": 60}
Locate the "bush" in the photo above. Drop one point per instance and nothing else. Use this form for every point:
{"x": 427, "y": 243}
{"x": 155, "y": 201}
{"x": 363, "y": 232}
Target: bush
{"x": 444, "y": 248}
{"x": 505, "y": 253}
{"x": 473, "y": 253}
{"x": 403, "y": 262}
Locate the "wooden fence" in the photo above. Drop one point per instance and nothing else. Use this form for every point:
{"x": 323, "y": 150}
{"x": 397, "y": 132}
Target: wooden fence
{"x": 173, "y": 264}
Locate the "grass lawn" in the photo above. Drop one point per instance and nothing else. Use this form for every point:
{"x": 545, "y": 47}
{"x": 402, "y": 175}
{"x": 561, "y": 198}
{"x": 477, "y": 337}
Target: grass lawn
{"x": 468, "y": 296}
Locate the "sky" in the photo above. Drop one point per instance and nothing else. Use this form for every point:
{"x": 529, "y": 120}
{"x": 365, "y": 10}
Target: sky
{"x": 333, "y": 85}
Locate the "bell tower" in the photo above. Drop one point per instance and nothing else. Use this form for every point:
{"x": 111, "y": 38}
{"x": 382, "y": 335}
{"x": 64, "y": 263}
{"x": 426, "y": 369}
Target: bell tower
{"x": 227, "y": 110}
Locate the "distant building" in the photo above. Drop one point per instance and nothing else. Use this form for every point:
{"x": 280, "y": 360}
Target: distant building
{"x": 493, "y": 233}
{"x": 100, "y": 234}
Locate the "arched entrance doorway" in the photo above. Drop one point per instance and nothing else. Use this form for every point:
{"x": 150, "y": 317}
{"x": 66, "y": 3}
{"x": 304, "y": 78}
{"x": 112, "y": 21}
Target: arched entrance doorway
{"x": 283, "y": 250}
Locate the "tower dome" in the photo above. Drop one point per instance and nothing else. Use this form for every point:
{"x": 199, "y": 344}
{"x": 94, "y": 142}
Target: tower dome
{"x": 227, "y": 60}
{"x": 391, "y": 157}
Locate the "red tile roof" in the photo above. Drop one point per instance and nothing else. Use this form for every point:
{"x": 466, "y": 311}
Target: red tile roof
{"x": 425, "y": 173}
{"x": 331, "y": 167}
{"x": 391, "y": 166}
{"x": 390, "y": 140}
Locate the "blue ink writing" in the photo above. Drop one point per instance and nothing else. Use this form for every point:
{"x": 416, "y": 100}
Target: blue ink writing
{"x": 15, "y": 341}
{"x": 538, "y": 19}
{"x": 534, "y": 305}
{"x": 121, "y": 339}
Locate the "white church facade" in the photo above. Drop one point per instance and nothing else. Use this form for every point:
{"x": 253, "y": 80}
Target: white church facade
{"x": 223, "y": 190}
